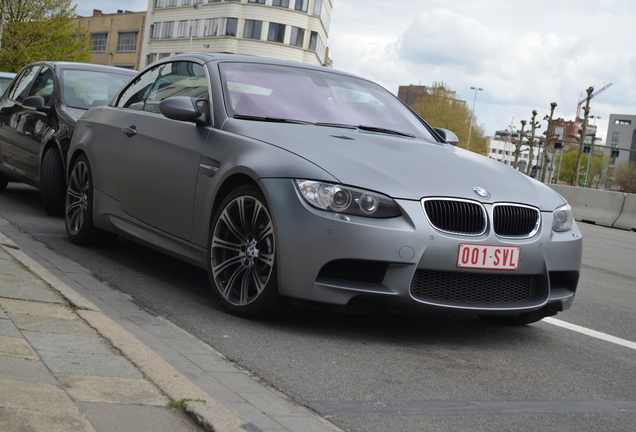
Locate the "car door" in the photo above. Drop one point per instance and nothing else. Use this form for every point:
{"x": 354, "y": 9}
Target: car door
{"x": 158, "y": 171}
{"x": 10, "y": 108}
{"x": 31, "y": 126}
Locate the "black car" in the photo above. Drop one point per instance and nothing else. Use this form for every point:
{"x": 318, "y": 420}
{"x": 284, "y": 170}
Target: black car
{"x": 37, "y": 115}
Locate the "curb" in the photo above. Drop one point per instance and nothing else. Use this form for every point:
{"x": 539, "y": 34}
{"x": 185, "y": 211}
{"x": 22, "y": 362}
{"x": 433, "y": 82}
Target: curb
{"x": 211, "y": 415}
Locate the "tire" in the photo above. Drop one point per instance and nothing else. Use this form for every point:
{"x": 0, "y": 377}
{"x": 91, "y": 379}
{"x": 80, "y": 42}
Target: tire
{"x": 3, "y": 182}
{"x": 79, "y": 207}
{"x": 516, "y": 320}
{"x": 53, "y": 183}
{"x": 242, "y": 256}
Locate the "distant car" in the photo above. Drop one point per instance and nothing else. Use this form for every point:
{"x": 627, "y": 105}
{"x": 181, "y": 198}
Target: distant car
{"x": 37, "y": 116}
{"x": 5, "y": 80}
{"x": 288, "y": 181}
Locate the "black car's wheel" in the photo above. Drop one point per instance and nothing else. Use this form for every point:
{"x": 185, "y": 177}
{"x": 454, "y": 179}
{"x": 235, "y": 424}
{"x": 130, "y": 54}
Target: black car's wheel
{"x": 242, "y": 256}
{"x": 3, "y": 182}
{"x": 79, "y": 207}
{"x": 515, "y": 320}
{"x": 52, "y": 182}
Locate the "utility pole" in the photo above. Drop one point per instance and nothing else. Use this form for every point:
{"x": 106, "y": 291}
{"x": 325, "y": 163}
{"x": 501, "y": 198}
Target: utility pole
{"x": 582, "y": 135}
{"x": 472, "y": 115}
{"x": 548, "y": 138}
{"x": 534, "y": 125}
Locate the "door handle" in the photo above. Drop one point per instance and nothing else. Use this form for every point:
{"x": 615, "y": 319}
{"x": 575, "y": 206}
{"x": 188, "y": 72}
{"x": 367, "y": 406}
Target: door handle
{"x": 129, "y": 130}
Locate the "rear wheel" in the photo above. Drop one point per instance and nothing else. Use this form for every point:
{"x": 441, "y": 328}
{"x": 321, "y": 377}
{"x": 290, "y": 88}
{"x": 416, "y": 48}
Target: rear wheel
{"x": 52, "y": 182}
{"x": 79, "y": 207}
{"x": 242, "y": 256}
{"x": 3, "y": 182}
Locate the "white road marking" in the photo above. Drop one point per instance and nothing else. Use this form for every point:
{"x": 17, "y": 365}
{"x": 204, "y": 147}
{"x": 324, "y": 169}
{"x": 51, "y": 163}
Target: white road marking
{"x": 592, "y": 333}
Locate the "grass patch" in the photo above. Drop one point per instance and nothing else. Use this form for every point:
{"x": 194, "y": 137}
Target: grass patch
{"x": 179, "y": 404}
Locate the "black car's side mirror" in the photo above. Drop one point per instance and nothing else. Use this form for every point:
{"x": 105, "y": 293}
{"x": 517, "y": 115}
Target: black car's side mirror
{"x": 35, "y": 103}
{"x": 184, "y": 108}
{"x": 447, "y": 136}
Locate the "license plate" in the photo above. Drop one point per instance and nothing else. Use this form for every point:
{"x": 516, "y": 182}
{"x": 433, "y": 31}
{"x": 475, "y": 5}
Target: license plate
{"x": 488, "y": 257}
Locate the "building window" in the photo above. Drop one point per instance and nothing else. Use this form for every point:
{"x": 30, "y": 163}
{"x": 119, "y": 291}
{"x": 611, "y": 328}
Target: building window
{"x": 98, "y": 41}
{"x": 301, "y": 5}
{"x": 297, "y": 37}
{"x": 276, "y": 32}
{"x": 256, "y": 1}
{"x": 316, "y": 45}
{"x": 182, "y": 30}
{"x": 127, "y": 41}
{"x": 615, "y": 136}
{"x": 623, "y": 122}
{"x": 198, "y": 1}
{"x": 167, "y": 30}
{"x": 317, "y": 7}
{"x": 220, "y": 27}
{"x": 151, "y": 59}
{"x": 186, "y": 2}
{"x": 214, "y": 1}
{"x": 156, "y": 31}
{"x": 281, "y": 3}
{"x": 159, "y": 4}
{"x": 253, "y": 29}
{"x": 195, "y": 28}
{"x": 170, "y": 3}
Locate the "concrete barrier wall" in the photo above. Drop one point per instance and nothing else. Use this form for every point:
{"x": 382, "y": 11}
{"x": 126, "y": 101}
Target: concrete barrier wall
{"x": 613, "y": 209}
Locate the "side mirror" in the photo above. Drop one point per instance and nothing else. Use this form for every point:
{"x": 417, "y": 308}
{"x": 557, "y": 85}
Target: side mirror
{"x": 447, "y": 136}
{"x": 184, "y": 108}
{"x": 35, "y": 103}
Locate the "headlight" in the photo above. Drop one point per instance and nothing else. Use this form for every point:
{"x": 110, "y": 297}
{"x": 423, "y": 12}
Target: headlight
{"x": 563, "y": 219}
{"x": 348, "y": 200}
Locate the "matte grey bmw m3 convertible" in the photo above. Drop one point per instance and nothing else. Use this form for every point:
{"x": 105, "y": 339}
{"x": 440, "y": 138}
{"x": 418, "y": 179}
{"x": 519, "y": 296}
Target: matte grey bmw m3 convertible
{"x": 292, "y": 182}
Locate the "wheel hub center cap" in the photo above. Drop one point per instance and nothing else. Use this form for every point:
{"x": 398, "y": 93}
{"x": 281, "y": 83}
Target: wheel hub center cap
{"x": 251, "y": 251}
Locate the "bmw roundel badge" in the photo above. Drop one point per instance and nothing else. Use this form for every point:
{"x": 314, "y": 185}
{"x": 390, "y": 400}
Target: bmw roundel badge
{"x": 481, "y": 192}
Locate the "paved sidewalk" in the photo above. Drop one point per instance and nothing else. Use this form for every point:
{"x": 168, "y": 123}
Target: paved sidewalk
{"x": 65, "y": 368}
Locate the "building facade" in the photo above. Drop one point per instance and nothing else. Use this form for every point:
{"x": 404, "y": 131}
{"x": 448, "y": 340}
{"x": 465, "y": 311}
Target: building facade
{"x": 295, "y": 30}
{"x": 621, "y": 139}
{"x": 116, "y": 39}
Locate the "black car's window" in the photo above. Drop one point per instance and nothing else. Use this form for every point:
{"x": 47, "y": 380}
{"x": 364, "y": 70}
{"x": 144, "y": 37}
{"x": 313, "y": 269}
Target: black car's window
{"x": 309, "y": 95}
{"x": 85, "y": 89}
{"x": 21, "y": 86}
{"x": 162, "y": 82}
{"x": 43, "y": 84}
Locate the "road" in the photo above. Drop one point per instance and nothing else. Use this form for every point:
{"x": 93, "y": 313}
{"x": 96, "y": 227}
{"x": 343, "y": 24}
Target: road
{"x": 402, "y": 372}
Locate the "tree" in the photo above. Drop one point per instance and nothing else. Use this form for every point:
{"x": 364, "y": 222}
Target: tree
{"x": 440, "y": 108}
{"x": 568, "y": 162}
{"x": 625, "y": 177}
{"x": 33, "y": 30}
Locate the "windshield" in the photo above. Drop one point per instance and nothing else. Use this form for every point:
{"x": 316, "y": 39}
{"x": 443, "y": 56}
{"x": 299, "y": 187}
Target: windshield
{"x": 87, "y": 88}
{"x": 324, "y": 98}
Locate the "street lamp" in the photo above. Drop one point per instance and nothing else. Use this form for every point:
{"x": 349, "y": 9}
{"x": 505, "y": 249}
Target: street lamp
{"x": 196, "y": 6}
{"x": 472, "y": 113}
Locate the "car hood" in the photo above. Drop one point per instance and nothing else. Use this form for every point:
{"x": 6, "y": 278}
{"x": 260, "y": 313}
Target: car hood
{"x": 401, "y": 167}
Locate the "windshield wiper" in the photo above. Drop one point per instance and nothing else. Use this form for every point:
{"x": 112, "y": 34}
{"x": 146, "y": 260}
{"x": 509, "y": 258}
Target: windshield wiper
{"x": 270, "y": 119}
{"x": 386, "y": 131}
{"x": 367, "y": 128}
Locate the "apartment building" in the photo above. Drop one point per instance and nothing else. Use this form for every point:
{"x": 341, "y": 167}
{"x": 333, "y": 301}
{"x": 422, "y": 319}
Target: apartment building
{"x": 295, "y": 30}
{"x": 116, "y": 38}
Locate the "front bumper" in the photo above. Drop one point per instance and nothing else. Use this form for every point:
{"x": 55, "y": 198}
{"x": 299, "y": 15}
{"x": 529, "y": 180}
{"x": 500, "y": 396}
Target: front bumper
{"x": 404, "y": 262}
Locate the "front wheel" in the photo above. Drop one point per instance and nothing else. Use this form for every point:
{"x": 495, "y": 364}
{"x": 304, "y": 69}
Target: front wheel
{"x": 242, "y": 256}
{"x": 79, "y": 207}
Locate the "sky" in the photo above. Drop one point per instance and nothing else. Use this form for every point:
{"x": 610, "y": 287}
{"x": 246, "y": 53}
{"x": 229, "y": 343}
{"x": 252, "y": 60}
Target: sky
{"x": 523, "y": 54}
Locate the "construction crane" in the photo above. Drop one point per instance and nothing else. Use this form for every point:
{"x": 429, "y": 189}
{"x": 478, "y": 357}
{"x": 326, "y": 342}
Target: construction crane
{"x": 582, "y": 101}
